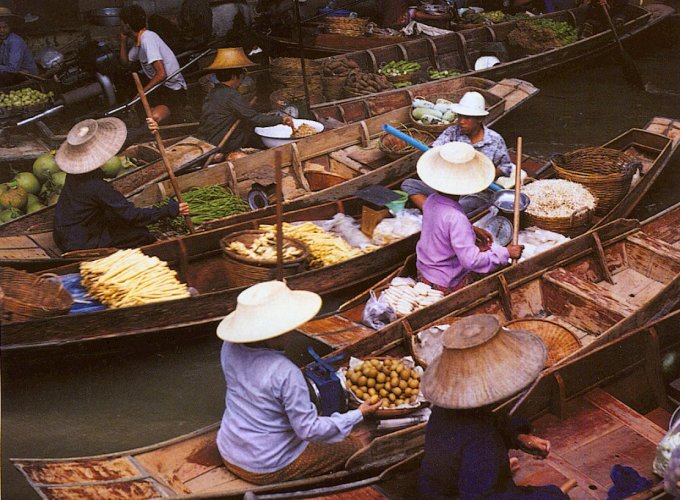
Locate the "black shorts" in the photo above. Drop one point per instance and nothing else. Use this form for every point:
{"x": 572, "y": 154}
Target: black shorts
{"x": 173, "y": 99}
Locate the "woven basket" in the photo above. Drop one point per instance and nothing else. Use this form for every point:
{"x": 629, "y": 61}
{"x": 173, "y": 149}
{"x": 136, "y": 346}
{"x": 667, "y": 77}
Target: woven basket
{"x": 350, "y": 26}
{"x": 29, "y": 296}
{"x": 559, "y": 340}
{"x": 384, "y": 412}
{"x": 578, "y": 223}
{"x": 607, "y": 173}
{"x": 387, "y": 142}
{"x": 244, "y": 271}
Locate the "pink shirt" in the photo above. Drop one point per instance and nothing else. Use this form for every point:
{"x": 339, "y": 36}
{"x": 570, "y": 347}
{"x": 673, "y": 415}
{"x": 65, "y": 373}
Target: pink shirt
{"x": 446, "y": 251}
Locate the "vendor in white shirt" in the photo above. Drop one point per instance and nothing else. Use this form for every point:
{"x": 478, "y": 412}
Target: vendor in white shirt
{"x": 157, "y": 60}
{"x": 270, "y": 429}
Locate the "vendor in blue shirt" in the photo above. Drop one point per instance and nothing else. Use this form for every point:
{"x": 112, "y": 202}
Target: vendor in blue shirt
{"x": 270, "y": 430}
{"x": 15, "y": 56}
{"x": 466, "y": 445}
{"x": 90, "y": 213}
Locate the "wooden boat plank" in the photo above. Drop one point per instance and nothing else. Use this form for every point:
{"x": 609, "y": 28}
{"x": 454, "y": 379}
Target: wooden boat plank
{"x": 666, "y": 126}
{"x": 24, "y": 254}
{"x": 139, "y": 489}
{"x": 335, "y": 331}
{"x": 393, "y": 447}
{"x": 218, "y": 479}
{"x": 633, "y": 287}
{"x": 653, "y": 257}
{"x": 17, "y": 242}
{"x": 615, "y": 408}
{"x": 80, "y": 471}
{"x": 28, "y": 148}
{"x": 366, "y": 493}
{"x": 45, "y": 240}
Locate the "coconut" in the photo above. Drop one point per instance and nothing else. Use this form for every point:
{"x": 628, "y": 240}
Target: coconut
{"x": 15, "y": 197}
{"x": 111, "y": 167}
{"x": 28, "y": 182}
{"x": 45, "y": 166}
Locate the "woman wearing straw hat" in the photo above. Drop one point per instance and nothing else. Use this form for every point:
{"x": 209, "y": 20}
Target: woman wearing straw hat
{"x": 90, "y": 213}
{"x": 470, "y": 129}
{"x": 15, "y": 56}
{"x": 466, "y": 446}
{"x": 447, "y": 253}
{"x": 224, "y": 105}
{"x": 270, "y": 429}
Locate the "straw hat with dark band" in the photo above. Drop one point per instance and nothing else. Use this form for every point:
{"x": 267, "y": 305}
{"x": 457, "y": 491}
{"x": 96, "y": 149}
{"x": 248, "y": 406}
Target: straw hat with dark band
{"x": 7, "y": 15}
{"x": 456, "y": 168}
{"x": 267, "y": 310}
{"x": 482, "y": 364}
{"x": 89, "y": 144}
{"x": 230, "y": 58}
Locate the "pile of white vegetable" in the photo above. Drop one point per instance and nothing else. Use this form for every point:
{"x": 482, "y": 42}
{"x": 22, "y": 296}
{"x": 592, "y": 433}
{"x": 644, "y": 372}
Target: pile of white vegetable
{"x": 405, "y": 295}
{"x": 432, "y": 113}
{"x": 556, "y": 198}
{"x": 536, "y": 240}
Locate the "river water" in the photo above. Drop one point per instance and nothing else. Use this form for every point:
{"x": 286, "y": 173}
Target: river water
{"x": 80, "y": 406}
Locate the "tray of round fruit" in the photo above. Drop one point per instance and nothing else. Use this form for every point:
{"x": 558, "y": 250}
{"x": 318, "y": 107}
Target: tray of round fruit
{"x": 395, "y": 381}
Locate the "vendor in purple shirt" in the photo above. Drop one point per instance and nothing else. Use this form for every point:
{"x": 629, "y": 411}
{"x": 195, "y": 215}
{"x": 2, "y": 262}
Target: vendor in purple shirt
{"x": 270, "y": 430}
{"x": 15, "y": 56}
{"x": 446, "y": 252}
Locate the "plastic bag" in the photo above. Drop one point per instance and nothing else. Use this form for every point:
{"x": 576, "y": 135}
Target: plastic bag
{"x": 377, "y": 312}
{"x": 348, "y": 229}
{"x": 666, "y": 446}
{"x": 49, "y": 58}
{"x": 407, "y": 222}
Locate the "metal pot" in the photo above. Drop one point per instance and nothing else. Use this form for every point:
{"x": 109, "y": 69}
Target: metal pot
{"x": 108, "y": 16}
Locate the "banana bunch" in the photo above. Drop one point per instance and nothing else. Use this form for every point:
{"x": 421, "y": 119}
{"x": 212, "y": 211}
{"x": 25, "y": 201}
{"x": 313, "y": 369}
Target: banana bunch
{"x": 397, "y": 68}
{"x": 325, "y": 248}
{"x": 404, "y": 298}
{"x": 264, "y": 248}
{"x": 443, "y": 73}
{"x": 130, "y": 278}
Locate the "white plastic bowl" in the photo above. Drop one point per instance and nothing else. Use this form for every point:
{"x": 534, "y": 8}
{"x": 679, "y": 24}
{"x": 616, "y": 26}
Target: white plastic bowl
{"x": 281, "y": 134}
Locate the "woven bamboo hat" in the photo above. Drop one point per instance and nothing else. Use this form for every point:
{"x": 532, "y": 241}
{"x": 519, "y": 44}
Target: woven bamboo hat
{"x": 7, "y": 15}
{"x": 482, "y": 363}
{"x": 89, "y": 144}
{"x": 267, "y": 310}
{"x": 456, "y": 168}
{"x": 233, "y": 57}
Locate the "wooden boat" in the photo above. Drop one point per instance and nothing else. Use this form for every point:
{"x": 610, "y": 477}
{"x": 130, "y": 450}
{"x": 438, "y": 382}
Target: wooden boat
{"x": 625, "y": 344}
{"x": 316, "y": 169}
{"x": 459, "y": 50}
{"x": 181, "y": 152}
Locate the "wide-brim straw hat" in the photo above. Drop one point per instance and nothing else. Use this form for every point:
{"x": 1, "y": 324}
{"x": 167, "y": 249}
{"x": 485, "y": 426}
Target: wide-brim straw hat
{"x": 267, "y": 310}
{"x": 8, "y": 15}
{"x": 456, "y": 168}
{"x": 482, "y": 363}
{"x": 89, "y": 144}
{"x": 233, "y": 57}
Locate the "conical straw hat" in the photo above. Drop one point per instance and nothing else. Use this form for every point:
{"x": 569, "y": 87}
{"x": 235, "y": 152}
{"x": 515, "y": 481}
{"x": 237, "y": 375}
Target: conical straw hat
{"x": 456, "y": 168}
{"x": 8, "y": 15}
{"x": 89, "y": 144}
{"x": 482, "y": 363}
{"x": 267, "y": 310}
{"x": 233, "y": 57}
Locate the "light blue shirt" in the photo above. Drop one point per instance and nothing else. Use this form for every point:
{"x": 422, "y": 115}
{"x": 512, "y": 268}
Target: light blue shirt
{"x": 16, "y": 56}
{"x": 492, "y": 145}
{"x": 269, "y": 417}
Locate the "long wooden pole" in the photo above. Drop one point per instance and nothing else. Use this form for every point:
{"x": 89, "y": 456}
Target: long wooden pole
{"x": 161, "y": 149}
{"x": 518, "y": 186}
{"x": 629, "y": 69}
{"x": 279, "y": 216}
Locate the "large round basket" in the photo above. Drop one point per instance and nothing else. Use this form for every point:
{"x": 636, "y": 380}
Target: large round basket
{"x": 350, "y": 26}
{"x": 574, "y": 225}
{"x": 606, "y": 172}
{"x": 385, "y": 412}
{"x": 559, "y": 340}
{"x": 29, "y": 296}
{"x": 244, "y": 271}
{"x": 394, "y": 148}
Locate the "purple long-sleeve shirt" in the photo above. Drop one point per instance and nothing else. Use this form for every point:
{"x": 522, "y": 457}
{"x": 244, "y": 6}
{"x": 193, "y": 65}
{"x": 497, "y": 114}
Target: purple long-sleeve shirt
{"x": 446, "y": 250}
{"x": 16, "y": 56}
{"x": 269, "y": 417}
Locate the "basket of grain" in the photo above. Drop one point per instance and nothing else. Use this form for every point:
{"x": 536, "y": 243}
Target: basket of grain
{"x": 29, "y": 296}
{"x": 559, "y": 205}
{"x": 250, "y": 257}
{"x": 606, "y": 172}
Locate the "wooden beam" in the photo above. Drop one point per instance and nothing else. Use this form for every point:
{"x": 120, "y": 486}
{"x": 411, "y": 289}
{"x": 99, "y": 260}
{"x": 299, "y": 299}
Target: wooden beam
{"x": 601, "y": 259}
{"x": 504, "y": 296}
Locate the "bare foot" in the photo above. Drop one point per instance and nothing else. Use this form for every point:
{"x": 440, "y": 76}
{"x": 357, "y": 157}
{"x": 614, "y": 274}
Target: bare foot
{"x": 514, "y": 464}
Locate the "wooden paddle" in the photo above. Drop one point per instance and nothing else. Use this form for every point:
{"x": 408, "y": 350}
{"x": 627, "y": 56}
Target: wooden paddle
{"x": 630, "y": 71}
{"x": 227, "y": 135}
{"x": 279, "y": 216}
{"x": 161, "y": 149}
{"x": 518, "y": 186}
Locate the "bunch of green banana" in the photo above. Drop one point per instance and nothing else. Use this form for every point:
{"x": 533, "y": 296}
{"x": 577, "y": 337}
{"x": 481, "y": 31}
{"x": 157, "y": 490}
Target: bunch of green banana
{"x": 396, "y": 68}
{"x": 435, "y": 74}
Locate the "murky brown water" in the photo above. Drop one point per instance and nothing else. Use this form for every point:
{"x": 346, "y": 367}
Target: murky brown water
{"x": 91, "y": 406}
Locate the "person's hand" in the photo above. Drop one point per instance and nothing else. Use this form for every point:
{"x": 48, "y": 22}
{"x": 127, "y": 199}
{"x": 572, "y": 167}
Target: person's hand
{"x": 122, "y": 36}
{"x": 287, "y": 120}
{"x": 483, "y": 238}
{"x": 534, "y": 445}
{"x": 183, "y": 208}
{"x": 368, "y": 408}
{"x": 152, "y": 124}
{"x": 515, "y": 251}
